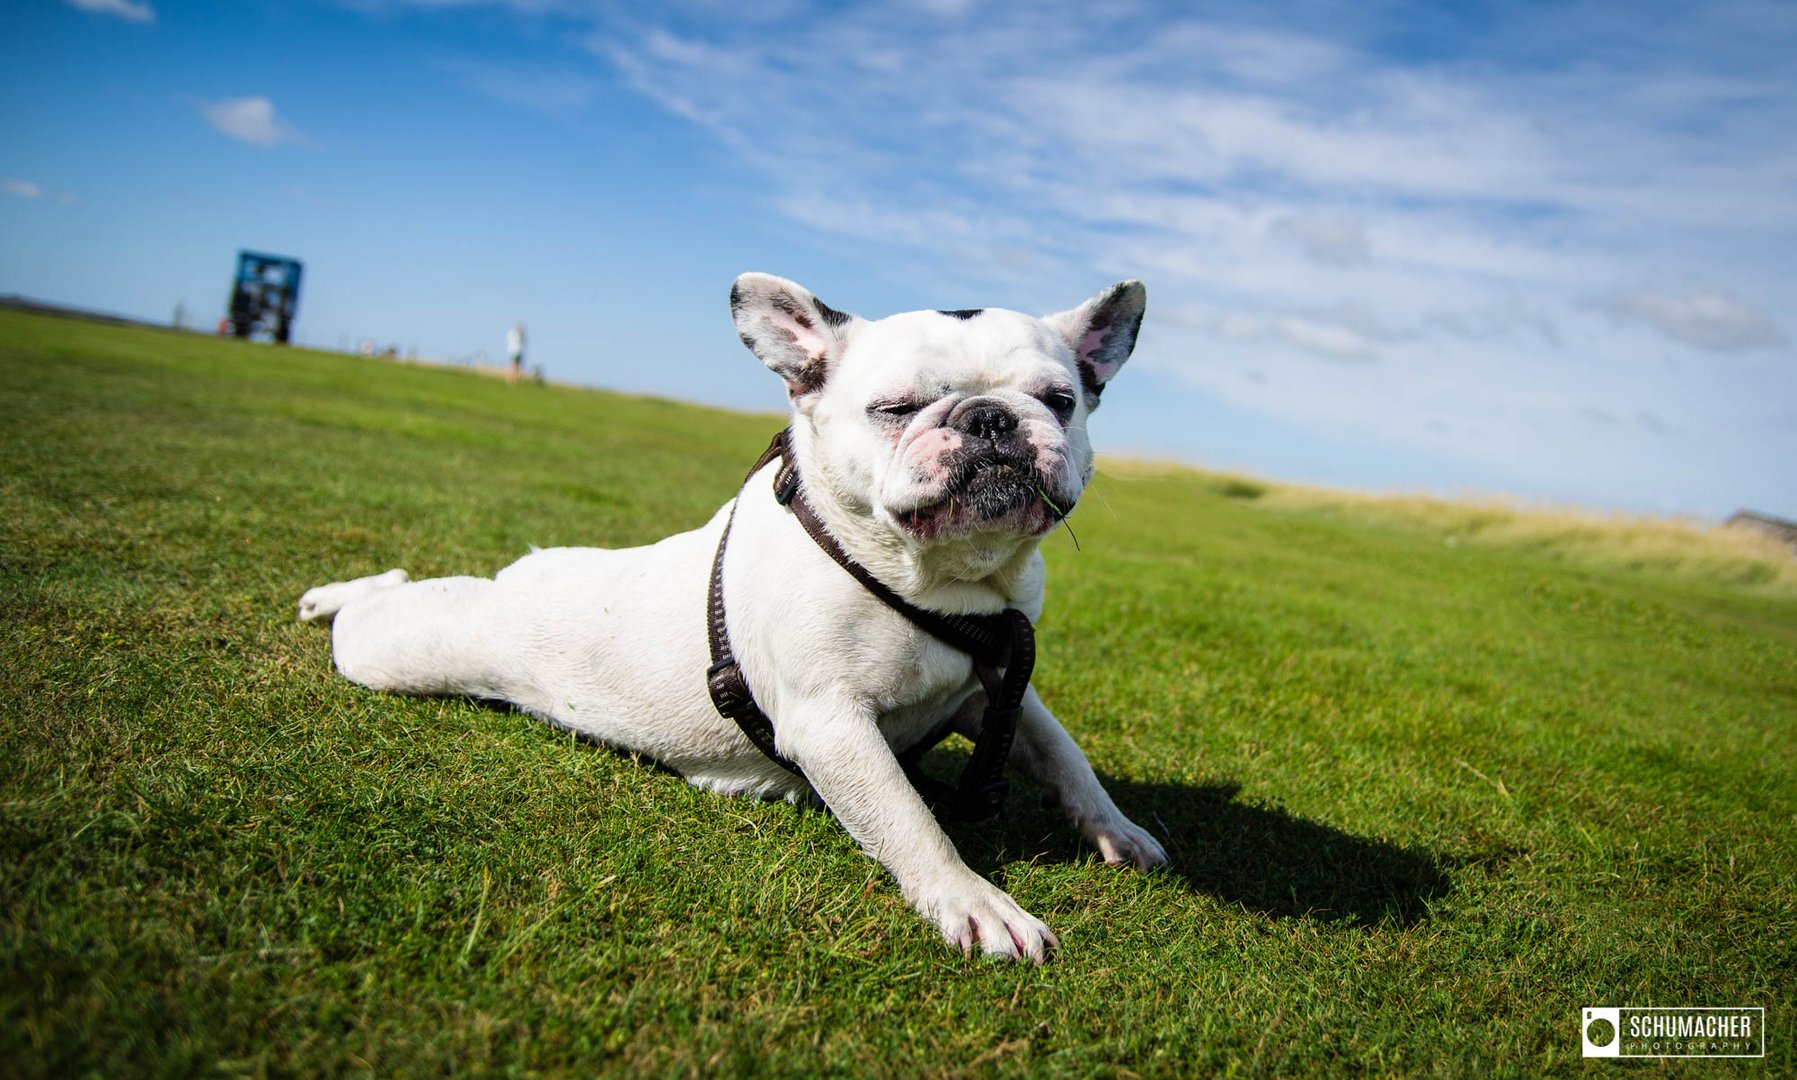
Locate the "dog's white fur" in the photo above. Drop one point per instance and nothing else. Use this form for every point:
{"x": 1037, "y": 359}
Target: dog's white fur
{"x": 612, "y": 644}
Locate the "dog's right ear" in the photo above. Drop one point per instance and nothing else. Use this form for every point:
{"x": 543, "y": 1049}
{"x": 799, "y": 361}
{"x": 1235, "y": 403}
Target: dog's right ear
{"x": 1102, "y": 332}
{"x": 794, "y": 333}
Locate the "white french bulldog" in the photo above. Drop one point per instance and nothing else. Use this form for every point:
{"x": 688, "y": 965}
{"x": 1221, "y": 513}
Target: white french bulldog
{"x": 937, "y": 448}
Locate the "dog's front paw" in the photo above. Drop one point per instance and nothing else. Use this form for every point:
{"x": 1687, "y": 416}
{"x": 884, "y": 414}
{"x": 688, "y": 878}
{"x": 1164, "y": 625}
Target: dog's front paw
{"x": 1124, "y": 843}
{"x": 977, "y": 913}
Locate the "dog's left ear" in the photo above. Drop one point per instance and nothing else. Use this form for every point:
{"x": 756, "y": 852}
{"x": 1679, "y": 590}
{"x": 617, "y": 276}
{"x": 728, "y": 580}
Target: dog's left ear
{"x": 794, "y": 333}
{"x": 1102, "y": 332}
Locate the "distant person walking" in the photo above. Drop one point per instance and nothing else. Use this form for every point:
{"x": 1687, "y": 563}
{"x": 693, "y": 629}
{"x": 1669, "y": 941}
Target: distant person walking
{"x": 514, "y": 350}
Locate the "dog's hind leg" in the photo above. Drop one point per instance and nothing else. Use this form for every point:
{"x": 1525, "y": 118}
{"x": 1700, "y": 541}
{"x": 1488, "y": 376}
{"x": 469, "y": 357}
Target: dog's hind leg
{"x": 327, "y": 600}
{"x": 440, "y": 636}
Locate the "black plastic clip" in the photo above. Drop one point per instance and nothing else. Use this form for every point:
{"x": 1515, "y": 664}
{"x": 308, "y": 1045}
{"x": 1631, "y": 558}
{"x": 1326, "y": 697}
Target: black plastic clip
{"x": 982, "y": 802}
{"x": 729, "y": 690}
{"x": 786, "y": 484}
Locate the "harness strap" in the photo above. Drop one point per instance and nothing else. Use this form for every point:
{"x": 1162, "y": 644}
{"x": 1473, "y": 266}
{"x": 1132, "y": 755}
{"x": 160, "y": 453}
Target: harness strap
{"x": 724, "y": 680}
{"x": 1005, "y": 640}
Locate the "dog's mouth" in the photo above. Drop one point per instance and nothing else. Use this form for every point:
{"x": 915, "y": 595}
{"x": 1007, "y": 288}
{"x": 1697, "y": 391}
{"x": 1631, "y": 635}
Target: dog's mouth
{"x": 988, "y": 494}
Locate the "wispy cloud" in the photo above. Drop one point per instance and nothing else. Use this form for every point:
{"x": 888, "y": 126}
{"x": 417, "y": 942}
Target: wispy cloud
{"x": 128, "y": 10}
{"x": 252, "y": 120}
{"x": 1331, "y": 241}
{"x": 1215, "y": 137}
{"x": 1701, "y": 318}
{"x": 25, "y": 189}
{"x": 547, "y": 90}
{"x": 1346, "y": 336}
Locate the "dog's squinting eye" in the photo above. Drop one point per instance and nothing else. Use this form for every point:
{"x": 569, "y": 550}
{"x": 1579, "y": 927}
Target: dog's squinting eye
{"x": 1060, "y": 401}
{"x": 896, "y": 410}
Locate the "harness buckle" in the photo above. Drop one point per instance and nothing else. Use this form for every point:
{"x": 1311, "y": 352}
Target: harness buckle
{"x": 985, "y": 801}
{"x": 729, "y": 690}
{"x": 786, "y": 483}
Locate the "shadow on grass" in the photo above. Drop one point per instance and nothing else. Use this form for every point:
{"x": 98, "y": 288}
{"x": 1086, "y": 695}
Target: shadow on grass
{"x": 1261, "y": 858}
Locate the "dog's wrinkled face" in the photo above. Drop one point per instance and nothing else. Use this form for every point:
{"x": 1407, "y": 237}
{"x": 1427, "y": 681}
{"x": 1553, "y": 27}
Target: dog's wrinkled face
{"x": 967, "y": 423}
{"x": 943, "y": 425}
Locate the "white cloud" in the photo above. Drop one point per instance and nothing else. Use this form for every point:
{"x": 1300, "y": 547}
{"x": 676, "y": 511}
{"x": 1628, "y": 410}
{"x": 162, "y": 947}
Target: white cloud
{"x": 947, "y": 8}
{"x": 1325, "y": 339}
{"x": 1701, "y": 318}
{"x": 251, "y": 120}
{"x": 129, "y": 10}
{"x": 1407, "y": 141}
{"x": 1347, "y": 336}
{"x": 1327, "y": 240}
{"x": 1205, "y": 142}
{"x": 1507, "y": 318}
{"x": 531, "y": 87}
{"x": 25, "y": 189}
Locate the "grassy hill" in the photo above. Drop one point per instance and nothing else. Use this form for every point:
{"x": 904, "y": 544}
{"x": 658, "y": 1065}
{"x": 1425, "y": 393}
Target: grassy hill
{"x": 1425, "y": 799}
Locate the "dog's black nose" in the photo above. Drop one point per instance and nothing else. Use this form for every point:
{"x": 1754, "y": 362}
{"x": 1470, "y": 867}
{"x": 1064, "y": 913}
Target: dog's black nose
{"x": 986, "y": 419}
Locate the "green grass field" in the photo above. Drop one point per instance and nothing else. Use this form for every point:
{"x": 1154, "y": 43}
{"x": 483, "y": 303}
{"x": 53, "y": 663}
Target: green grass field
{"x": 1424, "y": 799}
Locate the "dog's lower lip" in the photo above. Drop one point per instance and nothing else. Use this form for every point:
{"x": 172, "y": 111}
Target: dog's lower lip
{"x": 939, "y": 516}
{"x": 916, "y": 514}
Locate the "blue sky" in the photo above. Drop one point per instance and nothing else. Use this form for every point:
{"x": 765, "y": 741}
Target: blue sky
{"x": 1540, "y": 249}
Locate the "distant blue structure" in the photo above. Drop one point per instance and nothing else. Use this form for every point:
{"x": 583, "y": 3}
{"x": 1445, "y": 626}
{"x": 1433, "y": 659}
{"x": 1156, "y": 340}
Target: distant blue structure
{"x": 265, "y": 296}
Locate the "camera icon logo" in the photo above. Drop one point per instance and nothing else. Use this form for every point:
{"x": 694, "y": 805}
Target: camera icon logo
{"x": 1601, "y": 1032}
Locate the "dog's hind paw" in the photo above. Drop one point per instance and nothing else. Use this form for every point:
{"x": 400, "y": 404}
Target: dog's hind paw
{"x": 327, "y": 600}
{"x": 1124, "y": 843}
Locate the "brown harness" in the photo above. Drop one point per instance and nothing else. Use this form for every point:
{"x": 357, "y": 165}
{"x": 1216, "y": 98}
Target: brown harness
{"x": 1003, "y": 648}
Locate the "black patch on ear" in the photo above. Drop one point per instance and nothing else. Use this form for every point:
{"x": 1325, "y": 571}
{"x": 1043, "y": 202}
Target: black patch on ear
{"x": 963, "y": 313}
{"x": 789, "y": 306}
{"x": 811, "y": 376}
{"x": 1133, "y": 328}
{"x": 1102, "y": 317}
{"x": 1115, "y": 336}
{"x": 770, "y": 322}
{"x": 831, "y": 315}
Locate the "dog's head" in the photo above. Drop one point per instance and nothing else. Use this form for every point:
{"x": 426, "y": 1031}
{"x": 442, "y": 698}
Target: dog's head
{"x": 942, "y": 425}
